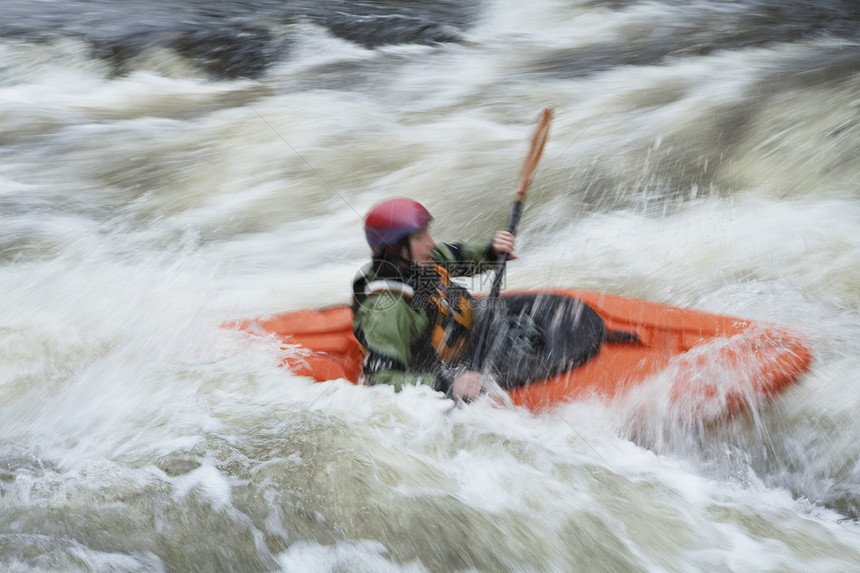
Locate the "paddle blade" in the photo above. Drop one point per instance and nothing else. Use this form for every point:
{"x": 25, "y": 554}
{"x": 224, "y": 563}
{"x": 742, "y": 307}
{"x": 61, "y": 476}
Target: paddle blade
{"x": 537, "y": 145}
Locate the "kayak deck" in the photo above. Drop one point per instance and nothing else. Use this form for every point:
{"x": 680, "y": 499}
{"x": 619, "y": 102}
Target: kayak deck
{"x": 707, "y": 359}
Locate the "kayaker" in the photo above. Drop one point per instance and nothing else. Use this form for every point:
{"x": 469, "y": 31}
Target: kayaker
{"x": 412, "y": 321}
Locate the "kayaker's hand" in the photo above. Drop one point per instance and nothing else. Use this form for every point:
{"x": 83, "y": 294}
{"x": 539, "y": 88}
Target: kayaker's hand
{"x": 467, "y": 386}
{"x": 503, "y": 242}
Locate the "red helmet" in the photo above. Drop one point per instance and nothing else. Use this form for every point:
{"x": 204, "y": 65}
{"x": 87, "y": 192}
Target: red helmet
{"x": 391, "y": 221}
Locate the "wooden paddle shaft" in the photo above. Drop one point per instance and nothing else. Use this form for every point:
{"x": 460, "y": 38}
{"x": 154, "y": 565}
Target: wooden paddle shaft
{"x": 536, "y": 149}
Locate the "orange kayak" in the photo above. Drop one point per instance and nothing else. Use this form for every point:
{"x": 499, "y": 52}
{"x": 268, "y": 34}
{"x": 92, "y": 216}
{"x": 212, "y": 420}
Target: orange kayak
{"x": 707, "y": 361}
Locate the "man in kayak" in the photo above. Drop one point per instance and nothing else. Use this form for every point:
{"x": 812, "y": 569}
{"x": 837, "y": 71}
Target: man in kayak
{"x": 412, "y": 321}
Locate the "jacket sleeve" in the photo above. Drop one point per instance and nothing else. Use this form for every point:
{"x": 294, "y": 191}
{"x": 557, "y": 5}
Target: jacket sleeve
{"x": 465, "y": 259}
{"x": 390, "y": 327}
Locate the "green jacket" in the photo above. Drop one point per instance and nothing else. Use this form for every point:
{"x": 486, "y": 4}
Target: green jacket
{"x": 391, "y": 325}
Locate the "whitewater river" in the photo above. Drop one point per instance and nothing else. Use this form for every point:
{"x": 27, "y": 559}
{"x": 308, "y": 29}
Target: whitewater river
{"x": 167, "y": 167}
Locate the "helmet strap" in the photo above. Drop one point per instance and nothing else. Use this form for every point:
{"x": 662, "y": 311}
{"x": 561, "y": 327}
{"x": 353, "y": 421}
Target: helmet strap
{"x": 398, "y": 254}
{"x": 404, "y": 253}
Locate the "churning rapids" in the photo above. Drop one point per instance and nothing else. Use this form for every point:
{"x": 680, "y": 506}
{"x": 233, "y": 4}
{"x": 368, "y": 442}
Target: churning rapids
{"x": 171, "y": 166}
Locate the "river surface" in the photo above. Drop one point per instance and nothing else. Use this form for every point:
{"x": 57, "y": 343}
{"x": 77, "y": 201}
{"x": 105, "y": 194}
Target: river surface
{"x": 167, "y": 167}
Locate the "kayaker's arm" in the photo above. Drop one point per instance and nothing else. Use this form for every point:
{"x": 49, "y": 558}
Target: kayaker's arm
{"x": 467, "y": 259}
{"x": 464, "y": 259}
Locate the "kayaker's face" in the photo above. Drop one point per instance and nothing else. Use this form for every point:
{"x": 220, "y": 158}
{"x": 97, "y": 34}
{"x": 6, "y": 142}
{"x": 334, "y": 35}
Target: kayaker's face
{"x": 422, "y": 244}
